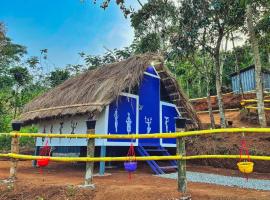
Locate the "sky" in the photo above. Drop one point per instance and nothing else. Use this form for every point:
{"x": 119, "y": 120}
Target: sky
{"x": 65, "y": 28}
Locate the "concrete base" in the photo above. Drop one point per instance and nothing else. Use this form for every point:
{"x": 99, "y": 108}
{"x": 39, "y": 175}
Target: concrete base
{"x": 100, "y": 175}
{"x": 185, "y": 197}
{"x": 7, "y": 181}
{"x": 91, "y": 186}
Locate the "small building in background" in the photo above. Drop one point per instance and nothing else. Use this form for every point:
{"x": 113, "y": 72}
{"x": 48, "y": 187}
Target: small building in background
{"x": 247, "y": 78}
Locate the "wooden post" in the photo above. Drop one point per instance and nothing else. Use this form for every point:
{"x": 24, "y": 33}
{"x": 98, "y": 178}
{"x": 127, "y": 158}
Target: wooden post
{"x": 180, "y": 142}
{"x": 16, "y": 126}
{"x": 102, "y": 164}
{"x": 90, "y": 153}
{"x": 34, "y": 162}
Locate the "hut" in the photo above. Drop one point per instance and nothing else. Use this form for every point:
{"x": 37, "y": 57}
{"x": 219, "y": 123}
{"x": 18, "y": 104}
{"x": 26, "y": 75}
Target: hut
{"x": 134, "y": 96}
{"x": 247, "y": 79}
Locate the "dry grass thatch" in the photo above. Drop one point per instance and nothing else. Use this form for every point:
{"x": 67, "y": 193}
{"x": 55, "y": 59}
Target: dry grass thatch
{"x": 90, "y": 92}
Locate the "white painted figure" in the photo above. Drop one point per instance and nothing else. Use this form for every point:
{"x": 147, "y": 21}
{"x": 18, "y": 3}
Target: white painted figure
{"x": 129, "y": 122}
{"x": 148, "y": 121}
{"x": 116, "y": 116}
{"x": 167, "y": 119}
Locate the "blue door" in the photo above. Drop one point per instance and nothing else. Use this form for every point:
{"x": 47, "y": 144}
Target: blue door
{"x": 149, "y": 97}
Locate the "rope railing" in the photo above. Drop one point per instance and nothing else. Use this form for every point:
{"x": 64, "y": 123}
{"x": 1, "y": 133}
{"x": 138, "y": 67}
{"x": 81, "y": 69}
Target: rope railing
{"x": 141, "y": 136}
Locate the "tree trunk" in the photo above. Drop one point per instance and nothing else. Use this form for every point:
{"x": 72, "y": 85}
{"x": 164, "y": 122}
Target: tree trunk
{"x": 16, "y": 101}
{"x": 223, "y": 57}
{"x": 223, "y": 122}
{"x": 199, "y": 87}
{"x": 258, "y": 67}
{"x": 237, "y": 69}
{"x": 187, "y": 88}
{"x": 212, "y": 119}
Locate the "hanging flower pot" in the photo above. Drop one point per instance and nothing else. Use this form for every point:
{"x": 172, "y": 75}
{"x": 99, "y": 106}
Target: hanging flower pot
{"x": 43, "y": 162}
{"x": 130, "y": 166}
{"x": 44, "y": 151}
{"x": 245, "y": 167}
{"x": 131, "y": 163}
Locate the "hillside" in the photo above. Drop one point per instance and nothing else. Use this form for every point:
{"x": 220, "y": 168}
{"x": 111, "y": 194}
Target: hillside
{"x": 228, "y": 143}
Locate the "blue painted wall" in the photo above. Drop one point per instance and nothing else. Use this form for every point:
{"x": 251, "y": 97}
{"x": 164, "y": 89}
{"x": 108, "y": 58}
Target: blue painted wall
{"x": 122, "y": 117}
{"x": 169, "y": 114}
{"x": 149, "y": 101}
{"x": 125, "y": 112}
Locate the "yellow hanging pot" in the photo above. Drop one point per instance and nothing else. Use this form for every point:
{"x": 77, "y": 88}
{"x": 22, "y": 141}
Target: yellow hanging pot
{"x": 245, "y": 167}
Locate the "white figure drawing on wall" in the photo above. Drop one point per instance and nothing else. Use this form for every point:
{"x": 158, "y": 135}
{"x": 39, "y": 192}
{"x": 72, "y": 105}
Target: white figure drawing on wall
{"x": 51, "y": 131}
{"x": 116, "y": 116}
{"x": 148, "y": 121}
{"x": 61, "y": 129}
{"x": 128, "y": 122}
{"x": 44, "y": 131}
{"x": 73, "y": 127}
{"x": 167, "y": 119}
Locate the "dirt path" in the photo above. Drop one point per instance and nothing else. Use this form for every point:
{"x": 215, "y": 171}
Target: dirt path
{"x": 59, "y": 181}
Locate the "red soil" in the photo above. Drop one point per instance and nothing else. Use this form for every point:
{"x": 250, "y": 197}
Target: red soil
{"x": 230, "y": 101}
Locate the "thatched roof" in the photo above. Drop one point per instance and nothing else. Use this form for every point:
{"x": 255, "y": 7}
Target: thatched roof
{"x": 89, "y": 92}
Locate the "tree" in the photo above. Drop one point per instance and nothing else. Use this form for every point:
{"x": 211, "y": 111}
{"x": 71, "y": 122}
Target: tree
{"x": 21, "y": 77}
{"x": 258, "y": 65}
{"x": 58, "y": 76}
{"x": 122, "y": 5}
{"x": 110, "y": 56}
{"x": 215, "y": 19}
{"x": 2, "y": 35}
{"x": 153, "y": 24}
{"x": 11, "y": 78}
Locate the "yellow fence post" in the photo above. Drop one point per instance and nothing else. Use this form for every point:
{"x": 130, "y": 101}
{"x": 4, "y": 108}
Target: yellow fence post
{"x": 16, "y": 126}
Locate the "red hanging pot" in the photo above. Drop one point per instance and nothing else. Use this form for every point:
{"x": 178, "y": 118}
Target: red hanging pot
{"x": 43, "y": 162}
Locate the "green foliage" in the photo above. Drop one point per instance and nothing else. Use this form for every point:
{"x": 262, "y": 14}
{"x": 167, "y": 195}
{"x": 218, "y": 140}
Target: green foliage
{"x": 58, "y": 76}
{"x": 154, "y": 23}
{"x": 110, "y": 56}
{"x": 20, "y": 75}
{"x": 149, "y": 43}
{"x": 5, "y": 142}
{"x": 26, "y": 142}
